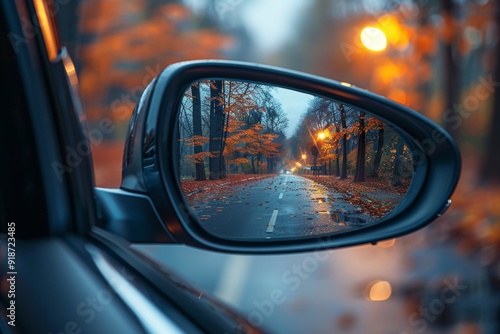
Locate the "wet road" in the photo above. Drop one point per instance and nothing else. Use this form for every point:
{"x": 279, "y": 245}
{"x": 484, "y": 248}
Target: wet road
{"x": 434, "y": 286}
{"x": 282, "y": 206}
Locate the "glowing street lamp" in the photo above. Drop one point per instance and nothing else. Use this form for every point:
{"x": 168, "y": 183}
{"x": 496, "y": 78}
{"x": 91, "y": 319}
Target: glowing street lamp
{"x": 373, "y": 39}
{"x": 304, "y": 157}
{"x": 321, "y": 137}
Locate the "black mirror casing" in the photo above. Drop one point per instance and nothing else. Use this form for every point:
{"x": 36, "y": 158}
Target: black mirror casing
{"x": 150, "y": 157}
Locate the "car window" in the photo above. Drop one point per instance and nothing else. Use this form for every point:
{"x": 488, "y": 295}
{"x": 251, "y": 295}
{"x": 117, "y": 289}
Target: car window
{"x": 16, "y": 177}
{"x": 438, "y": 57}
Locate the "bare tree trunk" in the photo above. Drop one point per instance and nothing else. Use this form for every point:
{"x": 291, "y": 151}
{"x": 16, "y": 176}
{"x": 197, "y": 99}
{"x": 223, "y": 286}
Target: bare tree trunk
{"x": 223, "y": 132}
{"x": 216, "y": 127}
{"x": 343, "y": 174}
{"x": 337, "y": 152}
{"x": 397, "y": 175}
{"x": 270, "y": 165}
{"x": 359, "y": 176}
{"x": 197, "y": 131}
{"x": 378, "y": 154}
{"x": 337, "y": 163}
{"x": 451, "y": 75}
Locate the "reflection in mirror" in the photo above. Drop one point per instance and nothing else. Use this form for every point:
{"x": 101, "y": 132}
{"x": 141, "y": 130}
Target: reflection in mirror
{"x": 262, "y": 162}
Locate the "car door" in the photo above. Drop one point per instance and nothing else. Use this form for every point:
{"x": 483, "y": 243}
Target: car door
{"x": 60, "y": 274}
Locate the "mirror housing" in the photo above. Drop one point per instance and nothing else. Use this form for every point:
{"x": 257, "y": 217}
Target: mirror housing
{"x": 150, "y": 157}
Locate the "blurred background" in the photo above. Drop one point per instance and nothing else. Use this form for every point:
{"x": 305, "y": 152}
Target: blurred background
{"x": 438, "y": 57}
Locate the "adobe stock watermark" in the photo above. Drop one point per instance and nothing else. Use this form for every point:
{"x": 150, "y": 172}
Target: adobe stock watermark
{"x": 120, "y": 109}
{"x": 429, "y": 313}
{"x": 75, "y": 156}
{"x": 31, "y": 28}
{"x": 471, "y": 103}
{"x": 89, "y": 309}
{"x": 292, "y": 279}
{"x": 455, "y": 116}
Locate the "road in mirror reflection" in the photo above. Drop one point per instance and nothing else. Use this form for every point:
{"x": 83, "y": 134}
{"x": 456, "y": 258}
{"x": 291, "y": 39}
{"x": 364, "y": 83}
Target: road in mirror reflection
{"x": 262, "y": 162}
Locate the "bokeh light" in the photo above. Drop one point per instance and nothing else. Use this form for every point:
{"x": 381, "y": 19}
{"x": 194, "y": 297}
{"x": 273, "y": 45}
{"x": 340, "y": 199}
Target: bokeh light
{"x": 378, "y": 291}
{"x": 373, "y": 39}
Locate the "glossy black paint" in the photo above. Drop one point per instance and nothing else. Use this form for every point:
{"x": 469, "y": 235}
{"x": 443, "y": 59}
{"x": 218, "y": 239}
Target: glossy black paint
{"x": 436, "y": 157}
{"x": 130, "y": 215}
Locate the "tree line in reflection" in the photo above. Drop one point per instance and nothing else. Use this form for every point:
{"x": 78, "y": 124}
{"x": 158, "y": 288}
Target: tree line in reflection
{"x": 231, "y": 127}
{"x": 349, "y": 144}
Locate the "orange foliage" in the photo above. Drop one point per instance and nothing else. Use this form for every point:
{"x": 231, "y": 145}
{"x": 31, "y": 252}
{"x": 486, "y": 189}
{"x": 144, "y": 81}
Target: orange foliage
{"x": 474, "y": 217}
{"x": 198, "y": 191}
{"x": 395, "y": 31}
{"x": 398, "y": 95}
{"x": 246, "y": 139}
{"x": 132, "y": 44}
{"x": 126, "y": 45}
{"x": 196, "y": 140}
{"x": 109, "y": 155}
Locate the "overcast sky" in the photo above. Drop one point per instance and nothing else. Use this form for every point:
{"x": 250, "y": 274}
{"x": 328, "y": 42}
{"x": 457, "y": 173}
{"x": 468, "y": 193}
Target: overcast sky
{"x": 294, "y": 104}
{"x": 270, "y": 23}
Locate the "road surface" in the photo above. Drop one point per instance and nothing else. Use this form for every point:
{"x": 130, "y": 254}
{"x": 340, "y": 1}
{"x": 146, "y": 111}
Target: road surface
{"x": 282, "y": 206}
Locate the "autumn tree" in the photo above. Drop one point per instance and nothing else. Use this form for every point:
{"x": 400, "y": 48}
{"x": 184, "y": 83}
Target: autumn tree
{"x": 275, "y": 122}
{"x": 337, "y": 123}
{"x": 242, "y": 111}
{"x": 244, "y": 123}
{"x": 259, "y": 113}
{"x": 120, "y": 49}
{"x": 197, "y": 132}
{"x": 216, "y": 167}
{"x": 123, "y": 48}
{"x": 336, "y": 142}
{"x": 193, "y": 140}
{"x": 316, "y": 120}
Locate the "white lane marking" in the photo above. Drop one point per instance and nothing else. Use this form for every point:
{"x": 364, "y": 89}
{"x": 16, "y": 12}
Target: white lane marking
{"x": 272, "y": 222}
{"x": 281, "y": 196}
{"x": 284, "y": 185}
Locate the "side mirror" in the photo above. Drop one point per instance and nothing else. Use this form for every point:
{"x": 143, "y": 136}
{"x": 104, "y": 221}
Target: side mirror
{"x": 247, "y": 158}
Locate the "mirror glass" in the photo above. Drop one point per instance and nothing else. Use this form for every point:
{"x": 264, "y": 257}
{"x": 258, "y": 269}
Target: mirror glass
{"x": 261, "y": 162}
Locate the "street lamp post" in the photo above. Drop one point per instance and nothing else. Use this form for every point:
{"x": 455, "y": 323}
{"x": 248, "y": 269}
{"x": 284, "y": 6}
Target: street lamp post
{"x": 321, "y": 137}
{"x": 314, "y": 152}
{"x": 304, "y": 158}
